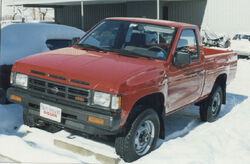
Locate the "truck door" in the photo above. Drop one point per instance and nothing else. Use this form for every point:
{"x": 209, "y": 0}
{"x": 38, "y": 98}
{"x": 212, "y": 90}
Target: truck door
{"x": 186, "y": 81}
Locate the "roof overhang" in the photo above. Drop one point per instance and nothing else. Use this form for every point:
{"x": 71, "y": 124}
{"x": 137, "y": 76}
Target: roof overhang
{"x": 60, "y": 3}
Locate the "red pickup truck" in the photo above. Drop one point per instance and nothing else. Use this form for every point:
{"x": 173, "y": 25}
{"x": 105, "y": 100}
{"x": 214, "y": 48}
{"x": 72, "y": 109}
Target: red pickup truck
{"x": 122, "y": 78}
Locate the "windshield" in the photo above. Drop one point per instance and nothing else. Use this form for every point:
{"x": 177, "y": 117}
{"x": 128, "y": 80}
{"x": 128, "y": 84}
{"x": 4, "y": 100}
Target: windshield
{"x": 241, "y": 36}
{"x": 135, "y": 39}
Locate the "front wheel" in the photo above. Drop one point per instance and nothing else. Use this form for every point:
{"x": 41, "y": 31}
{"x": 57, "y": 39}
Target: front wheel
{"x": 141, "y": 138}
{"x": 210, "y": 109}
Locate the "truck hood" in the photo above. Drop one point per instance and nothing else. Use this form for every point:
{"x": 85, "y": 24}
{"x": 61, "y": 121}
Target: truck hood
{"x": 101, "y": 71}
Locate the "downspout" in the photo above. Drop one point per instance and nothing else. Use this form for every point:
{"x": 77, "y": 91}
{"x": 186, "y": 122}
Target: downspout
{"x": 82, "y": 15}
{"x": 158, "y": 9}
{"x": 23, "y": 19}
{"x": 158, "y": 17}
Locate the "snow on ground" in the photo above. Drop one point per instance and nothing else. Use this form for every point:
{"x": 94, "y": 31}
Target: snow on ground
{"x": 188, "y": 141}
{"x": 3, "y": 160}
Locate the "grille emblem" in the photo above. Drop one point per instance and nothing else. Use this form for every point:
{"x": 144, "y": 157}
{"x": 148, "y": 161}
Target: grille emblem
{"x": 54, "y": 90}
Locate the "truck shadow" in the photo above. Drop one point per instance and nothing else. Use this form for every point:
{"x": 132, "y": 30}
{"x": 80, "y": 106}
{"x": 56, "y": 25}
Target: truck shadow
{"x": 182, "y": 122}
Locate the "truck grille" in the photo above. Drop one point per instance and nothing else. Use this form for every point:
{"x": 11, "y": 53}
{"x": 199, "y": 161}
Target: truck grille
{"x": 59, "y": 91}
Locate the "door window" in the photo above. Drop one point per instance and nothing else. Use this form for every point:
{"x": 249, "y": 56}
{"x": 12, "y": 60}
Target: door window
{"x": 188, "y": 43}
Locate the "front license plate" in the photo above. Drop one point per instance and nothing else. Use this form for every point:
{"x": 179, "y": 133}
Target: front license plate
{"x": 50, "y": 112}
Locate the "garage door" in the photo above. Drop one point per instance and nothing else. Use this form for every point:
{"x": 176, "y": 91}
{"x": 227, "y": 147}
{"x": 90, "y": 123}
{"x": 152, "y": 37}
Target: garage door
{"x": 95, "y": 13}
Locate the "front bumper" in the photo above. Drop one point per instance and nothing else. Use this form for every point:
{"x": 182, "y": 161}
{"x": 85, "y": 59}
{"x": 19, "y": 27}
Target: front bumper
{"x": 72, "y": 117}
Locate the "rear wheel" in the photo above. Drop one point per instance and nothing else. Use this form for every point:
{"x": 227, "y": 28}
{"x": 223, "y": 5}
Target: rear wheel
{"x": 140, "y": 138}
{"x": 210, "y": 109}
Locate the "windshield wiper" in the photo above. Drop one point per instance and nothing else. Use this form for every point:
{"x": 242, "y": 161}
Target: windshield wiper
{"x": 128, "y": 53}
{"x": 90, "y": 47}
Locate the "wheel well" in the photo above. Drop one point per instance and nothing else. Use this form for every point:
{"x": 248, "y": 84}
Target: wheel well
{"x": 155, "y": 101}
{"x": 222, "y": 81}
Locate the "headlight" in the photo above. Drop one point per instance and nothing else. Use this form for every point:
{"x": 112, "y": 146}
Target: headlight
{"x": 102, "y": 99}
{"x": 107, "y": 100}
{"x": 19, "y": 79}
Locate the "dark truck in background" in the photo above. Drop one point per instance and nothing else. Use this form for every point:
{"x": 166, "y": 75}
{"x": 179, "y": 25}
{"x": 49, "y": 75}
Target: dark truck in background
{"x": 122, "y": 78}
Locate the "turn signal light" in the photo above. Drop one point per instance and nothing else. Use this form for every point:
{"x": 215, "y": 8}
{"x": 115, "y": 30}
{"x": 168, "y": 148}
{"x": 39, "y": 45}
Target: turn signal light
{"x": 95, "y": 120}
{"x": 16, "y": 98}
{"x": 79, "y": 99}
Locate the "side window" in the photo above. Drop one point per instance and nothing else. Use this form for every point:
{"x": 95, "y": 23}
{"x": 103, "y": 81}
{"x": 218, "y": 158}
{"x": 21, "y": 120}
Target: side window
{"x": 54, "y": 44}
{"x": 188, "y": 43}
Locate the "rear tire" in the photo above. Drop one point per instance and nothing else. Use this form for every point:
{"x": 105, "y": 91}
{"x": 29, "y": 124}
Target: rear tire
{"x": 140, "y": 138}
{"x": 210, "y": 109}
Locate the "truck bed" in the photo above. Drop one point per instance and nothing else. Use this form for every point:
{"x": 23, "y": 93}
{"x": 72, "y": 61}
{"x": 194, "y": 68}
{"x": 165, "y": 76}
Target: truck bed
{"x": 210, "y": 51}
{"x": 218, "y": 62}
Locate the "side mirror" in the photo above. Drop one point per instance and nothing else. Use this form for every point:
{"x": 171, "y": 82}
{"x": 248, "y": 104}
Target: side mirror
{"x": 181, "y": 58}
{"x": 75, "y": 39}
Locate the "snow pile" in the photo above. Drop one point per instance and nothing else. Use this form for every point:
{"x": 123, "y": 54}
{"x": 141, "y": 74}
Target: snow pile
{"x": 226, "y": 141}
{"x": 25, "y": 39}
{"x": 188, "y": 141}
{"x": 99, "y": 147}
{"x": 38, "y": 148}
{"x": 11, "y": 117}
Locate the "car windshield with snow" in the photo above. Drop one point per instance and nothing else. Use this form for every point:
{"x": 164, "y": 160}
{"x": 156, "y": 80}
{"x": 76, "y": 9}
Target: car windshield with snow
{"x": 130, "y": 38}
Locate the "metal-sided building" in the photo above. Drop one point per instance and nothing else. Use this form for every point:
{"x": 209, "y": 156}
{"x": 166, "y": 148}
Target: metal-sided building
{"x": 228, "y": 16}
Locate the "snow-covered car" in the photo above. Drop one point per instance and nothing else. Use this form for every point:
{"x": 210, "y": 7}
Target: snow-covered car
{"x": 241, "y": 44}
{"x": 25, "y": 39}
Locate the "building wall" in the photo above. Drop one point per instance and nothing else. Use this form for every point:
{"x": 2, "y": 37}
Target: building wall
{"x": 220, "y": 16}
{"x": 95, "y": 13}
{"x": 227, "y": 16}
{"x": 187, "y": 11}
{"x": 71, "y": 15}
{"x": 68, "y": 15}
{"x": 142, "y": 9}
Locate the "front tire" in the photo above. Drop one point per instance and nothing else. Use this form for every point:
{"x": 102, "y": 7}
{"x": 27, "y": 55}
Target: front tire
{"x": 140, "y": 138}
{"x": 210, "y": 109}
